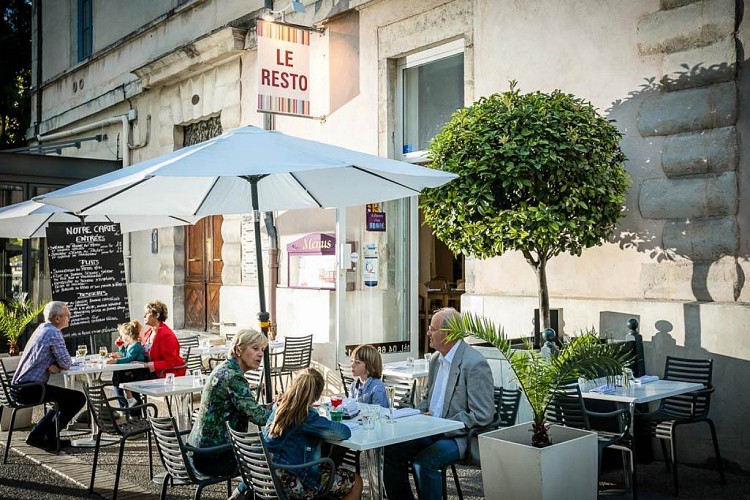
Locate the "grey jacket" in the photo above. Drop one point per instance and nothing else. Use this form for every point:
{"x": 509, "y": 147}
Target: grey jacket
{"x": 468, "y": 393}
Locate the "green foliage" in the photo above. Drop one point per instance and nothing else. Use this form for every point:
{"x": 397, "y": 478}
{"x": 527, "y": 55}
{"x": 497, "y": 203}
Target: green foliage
{"x": 15, "y": 71}
{"x": 539, "y": 173}
{"x": 540, "y": 379}
{"x": 15, "y": 314}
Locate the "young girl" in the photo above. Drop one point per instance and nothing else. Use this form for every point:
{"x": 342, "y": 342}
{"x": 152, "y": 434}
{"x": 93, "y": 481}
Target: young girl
{"x": 294, "y": 433}
{"x": 131, "y": 350}
{"x": 367, "y": 368}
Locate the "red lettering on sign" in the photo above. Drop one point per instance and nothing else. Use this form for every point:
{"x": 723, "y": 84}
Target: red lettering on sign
{"x": 265, "y": 77}
{"x": 283, "y": 79}
{"x": 287, "y": 58}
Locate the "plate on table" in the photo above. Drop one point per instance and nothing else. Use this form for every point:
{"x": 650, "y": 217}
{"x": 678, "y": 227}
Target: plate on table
{"x": 348, "y": 415}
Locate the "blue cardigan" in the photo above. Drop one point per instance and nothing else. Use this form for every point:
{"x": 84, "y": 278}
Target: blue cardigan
{"x": 372, "y": 392}
{"x": 133, "y": 352}
{"x": 301, "y": 444}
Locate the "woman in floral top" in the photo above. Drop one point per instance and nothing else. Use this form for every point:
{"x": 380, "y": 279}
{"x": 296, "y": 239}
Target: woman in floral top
{"x": 227, "y": 397}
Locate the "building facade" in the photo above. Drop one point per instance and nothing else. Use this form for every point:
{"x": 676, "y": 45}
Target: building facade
{"x": 157, "y": 75}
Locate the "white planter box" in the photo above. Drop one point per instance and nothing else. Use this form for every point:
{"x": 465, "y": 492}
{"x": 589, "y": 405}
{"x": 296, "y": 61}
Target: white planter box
{"x": 512, "y": 468}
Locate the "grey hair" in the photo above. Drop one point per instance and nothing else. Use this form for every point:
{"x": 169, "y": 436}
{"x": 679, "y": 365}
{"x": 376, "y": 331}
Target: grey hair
{"x": 446, "y": 313}
{"x": 54, "y": 308}
{"x": 244, "y": 338}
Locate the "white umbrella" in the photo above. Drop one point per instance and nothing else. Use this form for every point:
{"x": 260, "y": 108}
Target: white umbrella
{"x": 244, "y": 171}
{"x": 216, "y": 177}
{"x": 29, "y": 219}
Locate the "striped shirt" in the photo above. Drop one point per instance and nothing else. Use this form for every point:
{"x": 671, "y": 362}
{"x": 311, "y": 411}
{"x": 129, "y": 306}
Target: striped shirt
{"x": 45, "y": 348}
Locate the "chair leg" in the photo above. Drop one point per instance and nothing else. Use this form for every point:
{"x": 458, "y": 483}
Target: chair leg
{"x": 119, "y": 467}
{"x": 96, "y": 457}
{"x": 10, "y": 434}
{"x": 458, "y": 485}
{"x": 57, "y": 425}
{"x": 673, "y": 444}
{"x": 443, "y": 474}
{"x": 229, "y": 487}
{"x": 667, "y": 458}
{"x": 198, "y": 491}
{"x": 716, "y": 450}
{"x": 150, "y": 457}
{"x": 164, "y": 484}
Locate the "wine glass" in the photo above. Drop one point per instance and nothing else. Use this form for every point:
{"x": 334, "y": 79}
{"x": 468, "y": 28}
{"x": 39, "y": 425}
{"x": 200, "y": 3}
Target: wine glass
{"x": 103, "y": 351}
{"x": 390, "y": 391}
{"x": 81, "y": 351}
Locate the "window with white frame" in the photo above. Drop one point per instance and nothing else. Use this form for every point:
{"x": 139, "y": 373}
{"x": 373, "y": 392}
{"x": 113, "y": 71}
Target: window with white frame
{"x": 431, "y": 88}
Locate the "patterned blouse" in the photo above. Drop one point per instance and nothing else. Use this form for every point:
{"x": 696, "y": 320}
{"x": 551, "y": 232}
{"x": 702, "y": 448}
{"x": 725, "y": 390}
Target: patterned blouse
{"x": 226, "y": 397}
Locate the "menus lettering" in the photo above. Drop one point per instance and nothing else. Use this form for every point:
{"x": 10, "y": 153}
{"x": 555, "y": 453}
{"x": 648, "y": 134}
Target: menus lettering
{"x": 88, "y": 272}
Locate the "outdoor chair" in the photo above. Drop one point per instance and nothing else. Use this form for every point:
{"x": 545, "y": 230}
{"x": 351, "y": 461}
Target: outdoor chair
{"x": 8, "y": 400}
{"x": 405, "y": 390}
{"x": 255, "y": 381}
{"x": 567, "y": 408}
{"x": 258, "y": 470}
{"x": 296, "y": 356}
{"x": 107, "y": 422}
{"x": 507, "y": 402}
{"x": 174, "y": 456}
{"x": 345, "y": 371}
{"x": 193, "y": 361}
{"x": 691, "y": 408}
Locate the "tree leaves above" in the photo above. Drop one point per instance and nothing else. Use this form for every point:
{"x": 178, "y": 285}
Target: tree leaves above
{"x": 541, "y": 173}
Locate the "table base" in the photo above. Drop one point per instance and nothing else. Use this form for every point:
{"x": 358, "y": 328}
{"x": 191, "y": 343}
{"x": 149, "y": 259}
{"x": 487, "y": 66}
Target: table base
{"x": 90, "y": 442}
{"x": 159, "y": 479}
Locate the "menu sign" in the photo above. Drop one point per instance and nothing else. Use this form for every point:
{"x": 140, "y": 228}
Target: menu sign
{"x": 88, "y": 272}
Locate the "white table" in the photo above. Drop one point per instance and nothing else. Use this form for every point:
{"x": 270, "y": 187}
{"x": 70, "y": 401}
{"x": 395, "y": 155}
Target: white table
{"x": 92, "y": 370}
{"x": 273, "y": 345}
{"x": 639, "y": 393}
{"x": 404, "y": 369}
{"x": 183, "y": 386}
{"x": 372, "y": 442}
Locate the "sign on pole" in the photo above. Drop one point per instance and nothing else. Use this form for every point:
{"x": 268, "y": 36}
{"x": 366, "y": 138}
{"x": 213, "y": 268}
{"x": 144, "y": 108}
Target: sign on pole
{"x": 283, "y": 69}
{"x": 88, "y": 272}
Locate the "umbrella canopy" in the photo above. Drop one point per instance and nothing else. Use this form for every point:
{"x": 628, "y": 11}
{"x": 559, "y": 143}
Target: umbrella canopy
{"x": 216, "y": 177}
{"x": 29, "y": 219}
{"x": 244, "y": 171}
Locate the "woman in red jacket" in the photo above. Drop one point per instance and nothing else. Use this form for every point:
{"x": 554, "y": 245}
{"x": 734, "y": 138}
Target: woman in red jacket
{"x": 160, "y": 342}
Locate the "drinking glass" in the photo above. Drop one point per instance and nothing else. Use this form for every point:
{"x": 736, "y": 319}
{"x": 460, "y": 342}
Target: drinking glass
{"x": 103, "y": 351}
{"x": 336, "y": 401}
{"x": 197, "y": 378}
{"x": 82, "y": 350}
{"x": 169, "y": 379}
{"x": 368, "y": 418}
{"x": 390, "y": 391}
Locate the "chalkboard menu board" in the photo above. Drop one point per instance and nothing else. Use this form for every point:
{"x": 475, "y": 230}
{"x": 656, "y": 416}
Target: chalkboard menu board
{"x": 88, "y": 272}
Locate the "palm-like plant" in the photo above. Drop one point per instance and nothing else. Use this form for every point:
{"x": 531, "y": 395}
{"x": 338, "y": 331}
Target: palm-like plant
{"x": 540, "y": 378}
{"x": 15, "y": 314}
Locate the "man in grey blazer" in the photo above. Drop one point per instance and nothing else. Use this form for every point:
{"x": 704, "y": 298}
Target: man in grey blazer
{"x": 459, "y": 387}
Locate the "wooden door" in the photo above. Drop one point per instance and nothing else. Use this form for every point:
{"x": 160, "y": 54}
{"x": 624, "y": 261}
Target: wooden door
{"x": 203, "y": 265}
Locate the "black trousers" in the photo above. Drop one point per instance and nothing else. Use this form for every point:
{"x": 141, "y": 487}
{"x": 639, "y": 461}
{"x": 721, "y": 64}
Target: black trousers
{"x": 69, "y": 403}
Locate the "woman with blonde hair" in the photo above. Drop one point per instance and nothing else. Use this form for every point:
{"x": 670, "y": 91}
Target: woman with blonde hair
{"x": 367, "y": 368}
{"x": 130, "y": 351}
{"x": 294, "y": 434}
{"x": 227, "y": 397}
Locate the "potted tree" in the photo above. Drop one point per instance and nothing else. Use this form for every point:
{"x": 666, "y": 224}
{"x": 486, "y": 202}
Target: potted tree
{"x": 534, "y": 459}
{"x": 15, "y": 314}
{"x": 540, "y": 174}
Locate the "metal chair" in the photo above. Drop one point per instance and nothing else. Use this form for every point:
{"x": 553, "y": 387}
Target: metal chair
{"x": 259, "y": 472}
{"x": 405, "y": 390}
{"x": 685, "y": 409}
{"x": 297, "y": 355}
{"x": 345, "y": 371}
{"x": 255, "y": 381}
{"x": 106, "y": 420}
{"x": 173, "y": 453}
{"x": 507, "y": 402}
{"x": 567, "y": 408}
{"x": 192, "y": 361}
{"x": 8, "y": 400}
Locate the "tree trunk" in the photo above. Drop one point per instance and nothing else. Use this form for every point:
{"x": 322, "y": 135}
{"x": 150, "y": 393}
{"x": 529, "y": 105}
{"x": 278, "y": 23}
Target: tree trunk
{"x": 544, "y": 318}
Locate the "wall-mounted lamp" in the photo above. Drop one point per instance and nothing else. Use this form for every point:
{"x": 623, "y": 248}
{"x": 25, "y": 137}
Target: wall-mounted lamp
{"x": 270, "y": 14}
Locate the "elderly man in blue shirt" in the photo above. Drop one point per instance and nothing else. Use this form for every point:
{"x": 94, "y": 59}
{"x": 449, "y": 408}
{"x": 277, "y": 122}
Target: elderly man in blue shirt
{"x": 459, "y": 387}
{"x": 45, "y": 354}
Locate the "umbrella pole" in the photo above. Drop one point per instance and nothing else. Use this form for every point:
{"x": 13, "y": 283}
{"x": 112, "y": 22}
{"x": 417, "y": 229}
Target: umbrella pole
{"x": 263, "y": 315}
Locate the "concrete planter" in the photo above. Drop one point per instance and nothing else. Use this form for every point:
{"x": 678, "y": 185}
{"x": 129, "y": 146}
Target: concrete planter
{"x": 512, "y": 468}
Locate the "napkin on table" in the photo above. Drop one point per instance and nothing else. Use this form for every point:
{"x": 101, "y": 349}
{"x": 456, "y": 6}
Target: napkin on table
{"x": 645, "y": 379}
{"x": 604, "y": 389}
{"x": 405, "y": 412}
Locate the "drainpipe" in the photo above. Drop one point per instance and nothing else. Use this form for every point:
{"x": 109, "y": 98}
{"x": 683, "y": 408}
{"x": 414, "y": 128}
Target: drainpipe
{"x": 123, "y": 119}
